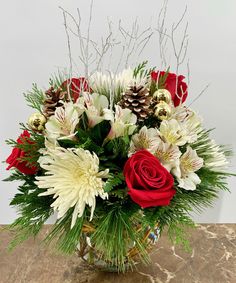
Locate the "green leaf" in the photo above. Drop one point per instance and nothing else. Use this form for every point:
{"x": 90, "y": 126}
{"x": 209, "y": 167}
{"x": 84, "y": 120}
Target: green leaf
{"x": 162, "y": 79}
{"x": 66, "y": 143}
{"x": 113, "y": 181}
{"x": 99, "y": 132}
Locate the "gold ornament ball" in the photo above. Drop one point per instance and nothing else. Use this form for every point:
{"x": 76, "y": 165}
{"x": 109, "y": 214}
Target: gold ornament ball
{"x": 163, "y": 111}
{"x": 162, "y": 95}
{"x": 37, "y": 121}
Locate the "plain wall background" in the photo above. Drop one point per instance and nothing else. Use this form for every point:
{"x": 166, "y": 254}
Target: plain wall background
{"x": 33, "y": 46}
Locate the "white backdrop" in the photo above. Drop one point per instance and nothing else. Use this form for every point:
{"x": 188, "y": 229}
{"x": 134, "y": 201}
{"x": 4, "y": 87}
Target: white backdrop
{"x": 33, "y": 46}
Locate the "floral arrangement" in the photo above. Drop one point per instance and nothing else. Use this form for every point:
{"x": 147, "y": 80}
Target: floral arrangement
{"x": 118, "y": 158}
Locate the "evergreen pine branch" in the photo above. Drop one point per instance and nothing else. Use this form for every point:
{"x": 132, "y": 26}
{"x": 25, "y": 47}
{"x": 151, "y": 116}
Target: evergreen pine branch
{"x": 57, "y": 79}
{"x": 114, "y": 233}
{"x": 35, "y": 98}
{"x": 62, "y": 236}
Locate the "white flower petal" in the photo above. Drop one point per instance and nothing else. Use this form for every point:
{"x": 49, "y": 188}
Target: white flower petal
{"x": 74, "y": 180}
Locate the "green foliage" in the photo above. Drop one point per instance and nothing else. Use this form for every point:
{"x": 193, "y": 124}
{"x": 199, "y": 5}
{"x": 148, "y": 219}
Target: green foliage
{"x": 161, "y": 83}
{"x": 162, "y": 79}
{"x": 33, "y": 210}
{"x": 65, "y": 238}
{"x": 113, "y": 181}
{"x": 142, "y": 71}
{"x": 114, "y": 235}
{"x": 35, "y": 98}
{"x": 118, "y": 147}
{"x": 30, "y": 146}
{"x": 57, "y": 79}
{"x": 86, "y": 142}
{"x": 176, "y": 215}
{"x": 99, "y": 132}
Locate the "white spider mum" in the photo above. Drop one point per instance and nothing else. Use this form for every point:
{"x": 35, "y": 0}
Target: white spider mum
{"x": 73, "y": 178}
{"x": 145, "y": 139}
{"x": 104, "y": 83}
{"x": 216, "y": 159}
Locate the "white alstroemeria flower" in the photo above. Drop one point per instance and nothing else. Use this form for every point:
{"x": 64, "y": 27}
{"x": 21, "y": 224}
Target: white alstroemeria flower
{"x": 63, "y": 123}
{"x": 190, "y": 162}
{"x": 180, "y": 113}
{"x": 189, "y": 121}
{"x": 73, "y": 178}
{"x": 172, "y": 132}
{"x": 145, "y": 139}
{"x": 96, "y": 105}
{"x": 123, "y": 123}
{"x": 168, "y": 155}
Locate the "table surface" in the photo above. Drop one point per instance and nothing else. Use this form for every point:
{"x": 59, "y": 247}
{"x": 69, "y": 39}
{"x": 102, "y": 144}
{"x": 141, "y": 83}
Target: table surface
{"x": 212, "y": 260}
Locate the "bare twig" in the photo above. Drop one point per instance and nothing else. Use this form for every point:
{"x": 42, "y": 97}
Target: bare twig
{"x": 200, "y": 94}
{"x": 70, "y": 55}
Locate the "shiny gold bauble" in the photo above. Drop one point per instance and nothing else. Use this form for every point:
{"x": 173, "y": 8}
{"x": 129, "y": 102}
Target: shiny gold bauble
{"x": 37, "y": 121}
{"x": 162, "y": 95}
{"x": 162, "y": 111}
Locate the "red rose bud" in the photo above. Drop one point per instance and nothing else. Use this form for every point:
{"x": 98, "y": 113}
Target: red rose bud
{"x": 76, "y": 86}
{"x": 149, "y": 183}
{"x": 178, "y": 95}
{"x": 14, "y": 159}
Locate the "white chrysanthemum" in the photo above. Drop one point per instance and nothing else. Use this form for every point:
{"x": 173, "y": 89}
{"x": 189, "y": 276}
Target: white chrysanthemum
{"x": 190, "y": 162}
{"x": 122, "y": 123}
{"x": 145, "y": 139}
{"x": 73, "y": 178}
{"x": 216, "y": 159}
{"x": 63, "y": 123}
{"x": 104, "y": 83}
{"x": 172, "y": 132}
{"x": 168, "y": 155}
{"x": 96, "y": 107}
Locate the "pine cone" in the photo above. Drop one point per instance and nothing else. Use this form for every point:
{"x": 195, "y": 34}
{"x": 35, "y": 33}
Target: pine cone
{"x": 53, "y": 100}
{"x": 138, "y": 100}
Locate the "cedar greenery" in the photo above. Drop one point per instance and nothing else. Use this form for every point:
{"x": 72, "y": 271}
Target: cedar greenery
{"x": 35, "y": 98}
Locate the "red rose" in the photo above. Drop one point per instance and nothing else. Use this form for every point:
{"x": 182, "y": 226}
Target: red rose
{"x": 149, "y": 183}
{"x": 76, "y": 86}
{"x": 170, "y": 84}
{"x": 14, "y": 159}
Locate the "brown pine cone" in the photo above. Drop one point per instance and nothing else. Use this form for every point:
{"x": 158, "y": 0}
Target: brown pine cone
{"x": 53, "y": 100}
{"x": 138, "y": 100}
